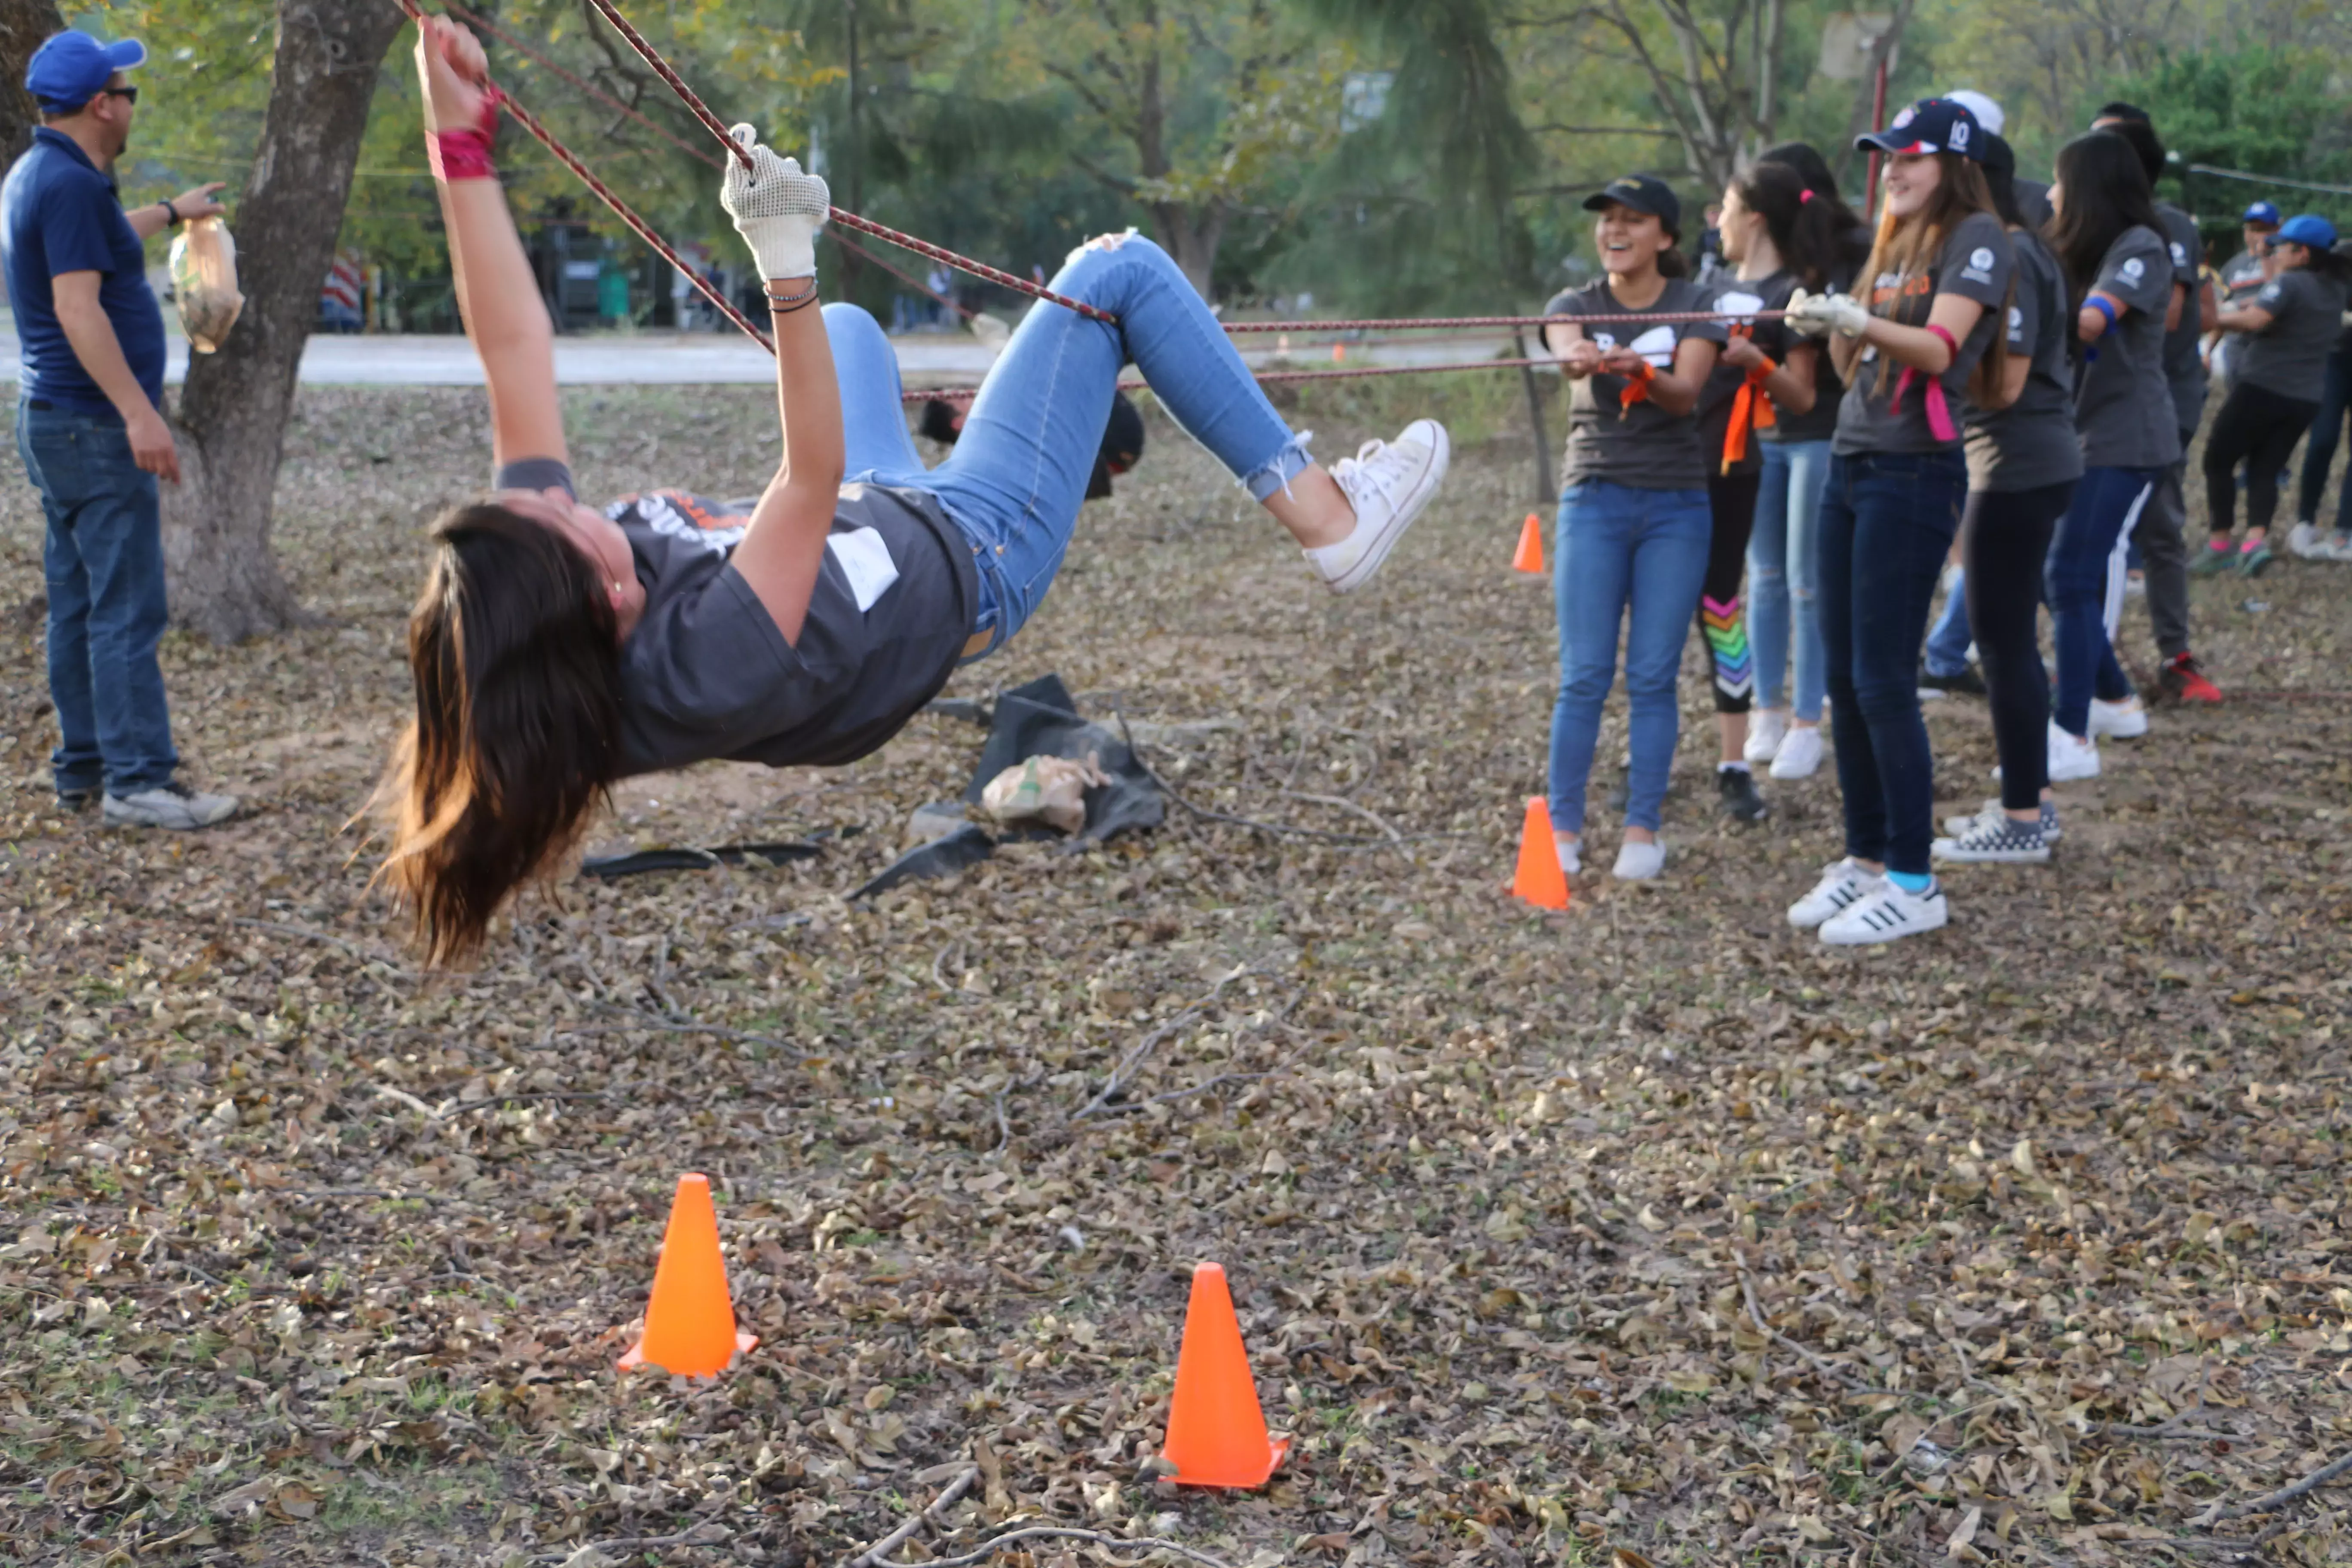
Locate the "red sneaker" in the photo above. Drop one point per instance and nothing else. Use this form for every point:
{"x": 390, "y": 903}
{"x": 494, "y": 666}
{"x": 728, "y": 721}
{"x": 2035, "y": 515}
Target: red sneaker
{"x": 2183, "y": 679}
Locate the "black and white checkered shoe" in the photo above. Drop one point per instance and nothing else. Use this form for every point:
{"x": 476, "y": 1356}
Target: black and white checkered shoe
{"x": 1954, "y": 826}
{"x": 1995, "y": 838}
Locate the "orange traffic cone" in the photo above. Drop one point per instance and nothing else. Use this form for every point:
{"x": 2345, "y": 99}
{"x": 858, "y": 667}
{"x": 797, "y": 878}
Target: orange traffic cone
{"x": 1529, "y": 557}
{"x": 1540, "y": 879}
{"x": 1216, "y": 1430}
{"x": 1338, "y": 354}
{"x": 691, "y": 1322}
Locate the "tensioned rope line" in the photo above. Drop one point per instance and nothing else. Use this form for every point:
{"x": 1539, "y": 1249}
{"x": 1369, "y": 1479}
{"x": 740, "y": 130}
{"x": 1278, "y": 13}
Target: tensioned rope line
{"x": 966, "y": 393}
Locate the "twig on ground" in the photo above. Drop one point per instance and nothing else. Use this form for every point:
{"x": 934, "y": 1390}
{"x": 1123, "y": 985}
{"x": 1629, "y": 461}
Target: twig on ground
{"x": 1055, "y": 1532}
{"x": 408, "y": 1099}
{"x": 308, "y": 934}
{"x": 955, "y": 945}
{"x": 695, "y": 1535}
{"x": 1134, "y": 1058}
{"x": 1341, "y": 803}
{"x": 1831, "y": 1368}
{"x": 497, "y": 1099}
{"x": 946, "y": 1501}
{"x": 2277, "y": 1500}
{"x": 1202, "y": 1088}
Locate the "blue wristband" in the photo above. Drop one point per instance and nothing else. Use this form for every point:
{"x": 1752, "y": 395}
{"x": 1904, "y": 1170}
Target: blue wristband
{"x": 2105, "y": 307}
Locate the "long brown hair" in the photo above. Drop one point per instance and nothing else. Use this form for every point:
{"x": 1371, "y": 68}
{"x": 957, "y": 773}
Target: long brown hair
{"x": 1909, "y": 244}
{"x": 516, "y": 652}
{"x": 1803, "y": 226}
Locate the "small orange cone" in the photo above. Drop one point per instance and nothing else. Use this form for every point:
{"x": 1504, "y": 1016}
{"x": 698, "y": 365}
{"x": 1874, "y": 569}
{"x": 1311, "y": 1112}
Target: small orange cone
{"x": 1529, "y": 557}
{"x": 1540, "y": 879}
{"x": 1338, "y": 354}
{"x": 691, "y": 1322}
{"x": 1216, "y": 1430}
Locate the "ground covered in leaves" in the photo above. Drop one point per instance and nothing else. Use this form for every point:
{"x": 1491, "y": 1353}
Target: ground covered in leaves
{"x": 1649, "y": 1233}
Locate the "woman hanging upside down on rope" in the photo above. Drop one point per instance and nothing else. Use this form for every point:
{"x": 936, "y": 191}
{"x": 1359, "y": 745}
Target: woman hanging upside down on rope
{"x": 558, "y": 648}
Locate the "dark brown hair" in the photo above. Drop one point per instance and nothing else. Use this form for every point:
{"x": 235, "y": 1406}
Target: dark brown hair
{"x": 2106, "y": 196}
{"x": 1909, "y": 245}
{"x": 516, "y": 652}
{"x": 1803, "y": 226}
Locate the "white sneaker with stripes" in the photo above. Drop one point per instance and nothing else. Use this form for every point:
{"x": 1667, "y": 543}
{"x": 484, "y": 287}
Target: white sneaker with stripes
{"x": 1888, "y": 915}
{"x": 1841, "y": 887}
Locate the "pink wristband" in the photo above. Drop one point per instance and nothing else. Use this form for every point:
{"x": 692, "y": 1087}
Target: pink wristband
{"x": 465, "y": 154}
{"x": 1949, "y": 341}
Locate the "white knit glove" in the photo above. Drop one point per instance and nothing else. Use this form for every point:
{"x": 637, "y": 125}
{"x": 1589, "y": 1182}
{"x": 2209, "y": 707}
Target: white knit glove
{"x": 1819, "y": 315}
{"x": 777, "y": 209}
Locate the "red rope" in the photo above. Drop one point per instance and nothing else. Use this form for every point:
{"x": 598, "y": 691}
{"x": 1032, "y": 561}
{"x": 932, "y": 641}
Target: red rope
{"x": 474, "y": 19}
{"x": 909, "y": 279}
{"x": 1636, "y": 318}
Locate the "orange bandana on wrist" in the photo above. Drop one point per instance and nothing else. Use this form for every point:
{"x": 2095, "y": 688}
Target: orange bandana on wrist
{"x": 1636, "y": 388}
{"x": 1751, "y": 407}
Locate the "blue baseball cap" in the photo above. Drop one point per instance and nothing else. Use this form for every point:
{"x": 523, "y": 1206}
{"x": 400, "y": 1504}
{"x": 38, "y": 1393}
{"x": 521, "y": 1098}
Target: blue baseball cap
{"x": 2308, "y": 228}
{"x": 67, "y": 71}
{"x": 2261, "y": 212}
{"x": 1930, "y": 125}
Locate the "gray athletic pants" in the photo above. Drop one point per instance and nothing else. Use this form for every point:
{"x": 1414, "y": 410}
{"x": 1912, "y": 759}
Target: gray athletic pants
{"x": 2163, "y": 540}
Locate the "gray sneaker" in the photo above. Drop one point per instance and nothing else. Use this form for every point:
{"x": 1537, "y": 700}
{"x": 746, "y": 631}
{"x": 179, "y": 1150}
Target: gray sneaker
{"x": 174, "y": 805}
{"x": 1954, "y": 826}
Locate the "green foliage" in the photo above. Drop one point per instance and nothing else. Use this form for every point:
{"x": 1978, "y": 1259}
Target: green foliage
{"x": 2264, "y": 111}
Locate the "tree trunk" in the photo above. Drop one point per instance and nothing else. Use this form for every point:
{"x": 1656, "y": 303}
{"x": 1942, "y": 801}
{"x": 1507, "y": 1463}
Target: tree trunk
{"x": 22, "y": 25}
{"x": 224, "y": 580}
{"x": 1191, "y": 236}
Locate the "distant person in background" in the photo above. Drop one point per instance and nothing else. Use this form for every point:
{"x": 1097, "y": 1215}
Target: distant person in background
{"x": 2162, "y": 532}
{"x": 2289, "y": 328}
{"x": 2305, "y": 539}
{"x": 2032, "y": 195}
{"x": 2242, "y": 277}
{"x": 90, "y": 429}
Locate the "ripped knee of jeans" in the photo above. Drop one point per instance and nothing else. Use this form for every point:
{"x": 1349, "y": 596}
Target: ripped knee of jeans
{"x": 1277, "y": 472}
{"x": 1101, "y": 242}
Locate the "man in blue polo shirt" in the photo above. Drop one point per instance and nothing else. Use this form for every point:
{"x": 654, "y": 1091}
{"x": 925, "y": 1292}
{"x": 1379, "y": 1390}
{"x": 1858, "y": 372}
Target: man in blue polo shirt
{"x": 89, "y": 427}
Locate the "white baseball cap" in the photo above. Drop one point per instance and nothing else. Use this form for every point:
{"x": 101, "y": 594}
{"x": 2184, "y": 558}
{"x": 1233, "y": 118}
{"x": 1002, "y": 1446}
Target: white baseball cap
{"x": 1988, "y": 112}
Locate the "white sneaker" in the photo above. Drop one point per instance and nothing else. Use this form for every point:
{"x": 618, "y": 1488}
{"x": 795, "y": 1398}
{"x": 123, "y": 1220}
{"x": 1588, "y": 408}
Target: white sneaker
{"x": 1888, "y": 914}
{"x": 1388, "y": 483}
{"x": 1570, "y": 850}
{"x": 1799, "y": 753}
{"x": 1841, "y": 887}
{"x": 2333, "y": 547}
{"x": 1767, "y": 727}
{"x": 2072, "y": 757}
{"x": 2302, "y": 541}
{"x": 2125, "y": 720}
{"x": 174, "y": 806}
{"x": 1638, "y": 862}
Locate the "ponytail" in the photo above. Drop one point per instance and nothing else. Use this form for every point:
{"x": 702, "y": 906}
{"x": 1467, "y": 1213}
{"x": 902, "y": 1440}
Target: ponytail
{"x": 1672, "y": 263}
{"x": 1802, "y": 222}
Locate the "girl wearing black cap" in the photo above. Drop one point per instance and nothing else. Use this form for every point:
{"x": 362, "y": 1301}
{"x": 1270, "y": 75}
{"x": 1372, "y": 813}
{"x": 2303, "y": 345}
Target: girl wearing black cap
{"x": 1778, "y": 237}
{"x": 1927, "y": 338}
{"x": 1633, "y": 520}
{"x": 2111, "y": 240}
{"x": 2289, "y": 326}
{"x": 2024, "y": 463}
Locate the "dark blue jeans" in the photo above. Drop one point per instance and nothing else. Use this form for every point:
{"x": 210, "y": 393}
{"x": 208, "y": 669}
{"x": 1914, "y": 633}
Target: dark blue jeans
{"x": 104, "y": 562}
{"x": 1887, "y": 522}
{"x": 2326, "y": 430}
{"x": 2084, "y": 575}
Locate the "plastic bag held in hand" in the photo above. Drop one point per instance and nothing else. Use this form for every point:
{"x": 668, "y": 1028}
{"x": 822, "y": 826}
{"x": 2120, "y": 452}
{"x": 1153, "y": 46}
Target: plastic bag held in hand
{"x": 204, "y": 280}
{"x": 776, "y": 207}
{"x": 1819, "y": 315}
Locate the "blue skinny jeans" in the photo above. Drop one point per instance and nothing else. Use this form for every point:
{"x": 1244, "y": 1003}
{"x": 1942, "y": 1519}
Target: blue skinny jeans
{"x": 1784, "y": 625}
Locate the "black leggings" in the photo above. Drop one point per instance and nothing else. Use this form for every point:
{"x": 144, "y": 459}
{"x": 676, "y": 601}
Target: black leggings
{"x": 2005, "y": 540}
{"x": 1722, "y": 615}
{"x": 2258, "y": 427}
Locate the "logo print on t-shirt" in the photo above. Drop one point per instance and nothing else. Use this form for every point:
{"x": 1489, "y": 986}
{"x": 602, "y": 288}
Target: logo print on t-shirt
{"x": 2135, "y": 269}
{"x": 685, "y": 517}
{"x": 1743, "y": 306}
{"x": 2016, "y": 326}
{"x": 1657, "y": 346}
{"x": 2179, "y": 254}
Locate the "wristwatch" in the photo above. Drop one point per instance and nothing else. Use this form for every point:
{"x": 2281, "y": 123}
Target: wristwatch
{"x": 172, "y": 218}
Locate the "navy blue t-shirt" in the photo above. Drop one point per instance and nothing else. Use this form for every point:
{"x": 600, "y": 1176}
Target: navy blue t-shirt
{"x": 59, "y": 214}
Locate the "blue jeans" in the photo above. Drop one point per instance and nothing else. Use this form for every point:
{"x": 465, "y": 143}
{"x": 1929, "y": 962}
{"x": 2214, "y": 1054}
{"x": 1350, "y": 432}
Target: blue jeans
{"x": 103, "y": 560}
{"x": 1784, "y": 575}
{"x": 2083, "y": 585}
{"x": 1887, "y": 522}
{"x": 2327, "y": 431}
{"x": 1947, "y": 642}
{"x": 1019, "y": 471}
{"x": 1622, "y": 548}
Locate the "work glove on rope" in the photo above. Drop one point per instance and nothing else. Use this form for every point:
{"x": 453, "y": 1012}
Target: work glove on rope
{"x": 777, "y": 209}
{"x": 1819, "y": 315}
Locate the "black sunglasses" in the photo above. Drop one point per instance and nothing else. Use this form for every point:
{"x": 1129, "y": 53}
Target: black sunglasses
{"x": 127, "y": 94}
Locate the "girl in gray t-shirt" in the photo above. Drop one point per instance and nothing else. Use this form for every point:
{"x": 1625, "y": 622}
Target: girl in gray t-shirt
{"x": 2285, "y": 333}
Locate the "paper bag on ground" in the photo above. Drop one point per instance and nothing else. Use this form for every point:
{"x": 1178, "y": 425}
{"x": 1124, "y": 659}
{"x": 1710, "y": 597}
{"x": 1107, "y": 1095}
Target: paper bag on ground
{"x": 1048, "y": 789}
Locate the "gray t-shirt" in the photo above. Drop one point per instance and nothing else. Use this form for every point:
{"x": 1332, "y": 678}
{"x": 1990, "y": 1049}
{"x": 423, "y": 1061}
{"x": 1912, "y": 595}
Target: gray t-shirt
{"x": 2242, "y": 275}
{"x": 1975, "y": 261}
{"x": 2290, "y": 355}
{"x": 2123, "y": 404}
{"x": 2031, "y": 443}
{"x": 1641, "y": 444}
{"x": 1720, "y": 396}
{"x": 2183, "y": 370}
{"x": 707, "y": 672}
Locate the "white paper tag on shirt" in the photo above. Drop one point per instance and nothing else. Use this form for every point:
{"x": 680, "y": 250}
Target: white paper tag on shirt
{"x": 866, "y": 560}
